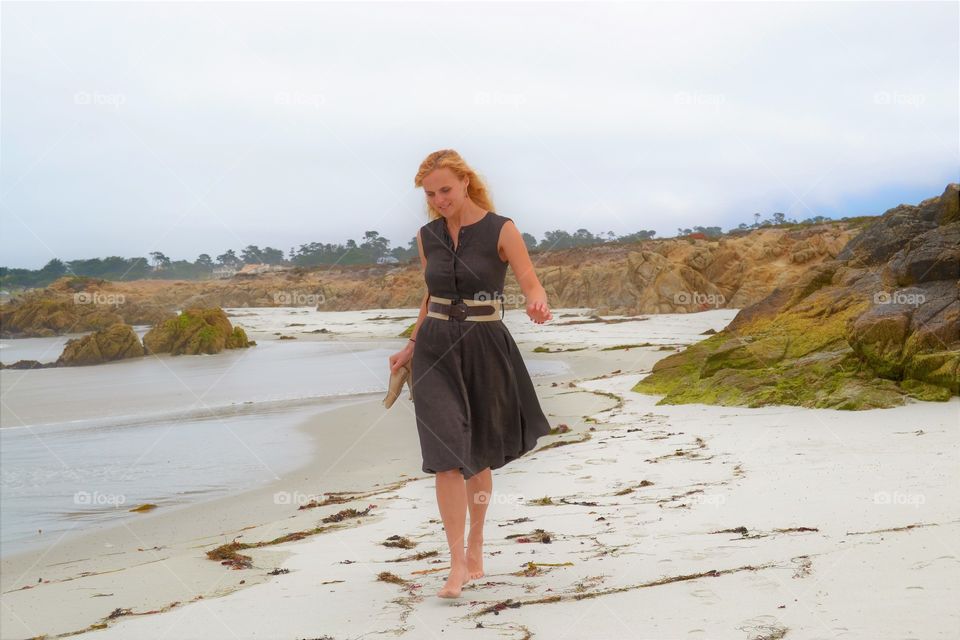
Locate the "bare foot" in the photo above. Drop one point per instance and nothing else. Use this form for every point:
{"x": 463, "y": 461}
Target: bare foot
{"x": 454, "y": 583}
{"x": 475, "y": 557}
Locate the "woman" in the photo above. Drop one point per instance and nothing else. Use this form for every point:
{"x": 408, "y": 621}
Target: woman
{"x": 475, "y": 404}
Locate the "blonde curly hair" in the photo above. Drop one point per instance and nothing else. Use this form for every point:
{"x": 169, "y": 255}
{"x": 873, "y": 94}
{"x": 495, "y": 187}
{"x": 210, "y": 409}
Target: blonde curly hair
{"x": 477, "y": 190}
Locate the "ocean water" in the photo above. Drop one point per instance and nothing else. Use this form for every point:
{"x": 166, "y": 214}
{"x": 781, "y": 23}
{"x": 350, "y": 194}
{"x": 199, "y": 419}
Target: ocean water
{"x": 80, "y": 446}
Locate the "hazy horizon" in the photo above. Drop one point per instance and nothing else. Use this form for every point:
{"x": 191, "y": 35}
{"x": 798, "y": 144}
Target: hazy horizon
{"x": 192, "y": 128}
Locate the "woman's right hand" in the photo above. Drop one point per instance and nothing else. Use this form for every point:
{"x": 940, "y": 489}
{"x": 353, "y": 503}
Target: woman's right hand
{"x": 401, "y": 357}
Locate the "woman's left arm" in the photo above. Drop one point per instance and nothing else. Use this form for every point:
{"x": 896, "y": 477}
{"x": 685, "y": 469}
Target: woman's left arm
{"x": 515, "y": 250}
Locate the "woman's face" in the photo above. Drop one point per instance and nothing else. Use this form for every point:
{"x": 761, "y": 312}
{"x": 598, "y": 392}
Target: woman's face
{"x": 445, "y": 192}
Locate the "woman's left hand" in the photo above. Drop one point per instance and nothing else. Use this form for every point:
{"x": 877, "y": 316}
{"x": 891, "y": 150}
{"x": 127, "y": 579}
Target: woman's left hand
{"x": 539, "y": 312}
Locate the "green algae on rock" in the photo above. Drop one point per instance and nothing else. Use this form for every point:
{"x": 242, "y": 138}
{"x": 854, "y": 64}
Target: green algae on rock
{"x": 408, "y": 332}
{"x": 195, "y": 331}
{"x": 879, "y": 324}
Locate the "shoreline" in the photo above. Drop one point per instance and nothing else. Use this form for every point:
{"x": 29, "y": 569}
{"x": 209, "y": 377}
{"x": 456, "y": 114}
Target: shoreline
{"x": 168, "y": 505}
{"x": 177, "y": 536}
{"x": 238, "y": 420}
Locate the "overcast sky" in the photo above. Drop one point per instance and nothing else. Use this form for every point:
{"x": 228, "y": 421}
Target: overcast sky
{"x": 189, "y": 128}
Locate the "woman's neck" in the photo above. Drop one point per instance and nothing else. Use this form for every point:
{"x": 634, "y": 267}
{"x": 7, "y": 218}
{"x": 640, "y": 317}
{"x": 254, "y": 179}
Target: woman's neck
{"x": 467, "y": 216}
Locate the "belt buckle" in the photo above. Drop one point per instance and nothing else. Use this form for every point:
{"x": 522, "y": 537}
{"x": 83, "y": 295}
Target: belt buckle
{"x": 458, "y": 309}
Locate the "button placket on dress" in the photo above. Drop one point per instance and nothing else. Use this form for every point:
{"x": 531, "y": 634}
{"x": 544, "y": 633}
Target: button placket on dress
{"x": 456, "y": 255}
{"x": 460, "y": 325}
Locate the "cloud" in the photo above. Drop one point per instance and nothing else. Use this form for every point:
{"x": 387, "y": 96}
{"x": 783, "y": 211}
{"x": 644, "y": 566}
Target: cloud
{"x": 191, "y": 128}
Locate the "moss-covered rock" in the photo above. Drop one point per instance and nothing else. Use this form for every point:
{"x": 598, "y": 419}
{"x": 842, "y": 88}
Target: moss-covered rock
{"x": 841, "y": 336}
{"x": 941, "y": 368}
{"x": 785, "y": 360}
{"x": 924, "y": 391}
{"x": 195, "y": 331}
{"x": 408, "y": 332}
{"x": 117, "y": 342}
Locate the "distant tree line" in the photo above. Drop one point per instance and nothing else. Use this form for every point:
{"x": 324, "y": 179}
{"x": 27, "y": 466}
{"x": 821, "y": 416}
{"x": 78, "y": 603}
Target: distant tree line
{"x": 371, "y": 249}
{"x": 779, "y": 219}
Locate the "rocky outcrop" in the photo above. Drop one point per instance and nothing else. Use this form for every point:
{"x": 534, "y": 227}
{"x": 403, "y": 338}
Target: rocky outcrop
{"x": 51, "y": 315}
{"x": 116, "y": 342}
{"x": 195, "y": 331}
{"x": 685, "y": 275}
{"x": 28, "y": 364}
{"x": 878, "y": 324}
{"x": 74, "y": 305}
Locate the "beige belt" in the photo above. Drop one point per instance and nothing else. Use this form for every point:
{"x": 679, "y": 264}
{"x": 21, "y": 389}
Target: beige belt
{"x": 446, "y": 308}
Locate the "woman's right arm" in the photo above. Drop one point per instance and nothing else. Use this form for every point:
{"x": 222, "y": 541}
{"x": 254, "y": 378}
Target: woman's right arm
{"x": 404, "y": 355}
{"x": 426, "y": 295}
{"x": 423, "y": 314}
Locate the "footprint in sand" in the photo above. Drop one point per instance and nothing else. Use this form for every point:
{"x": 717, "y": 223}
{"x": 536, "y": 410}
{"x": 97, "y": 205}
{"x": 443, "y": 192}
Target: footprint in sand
{"x": 709, "y": 596}
{"x": 923, "y": 564}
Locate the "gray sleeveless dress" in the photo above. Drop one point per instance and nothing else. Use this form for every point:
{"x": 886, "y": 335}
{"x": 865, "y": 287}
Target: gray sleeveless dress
{"x": 475, "y": 404}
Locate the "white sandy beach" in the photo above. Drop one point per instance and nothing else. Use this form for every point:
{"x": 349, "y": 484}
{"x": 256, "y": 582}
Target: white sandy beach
{"x": 686, "y": 521}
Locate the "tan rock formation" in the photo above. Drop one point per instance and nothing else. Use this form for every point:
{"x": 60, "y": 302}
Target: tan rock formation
{"x": 116, "y": 342}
